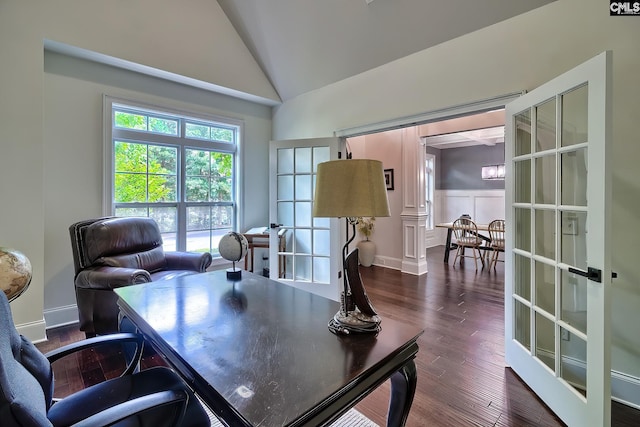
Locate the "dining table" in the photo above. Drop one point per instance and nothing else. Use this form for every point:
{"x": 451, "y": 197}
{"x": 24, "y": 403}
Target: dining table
{"x": 452, "y": 246}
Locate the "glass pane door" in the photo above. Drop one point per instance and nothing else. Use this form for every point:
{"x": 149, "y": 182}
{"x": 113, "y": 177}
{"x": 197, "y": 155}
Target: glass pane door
{"x": 558, "y": 214}
{"x": 302, "y": 243}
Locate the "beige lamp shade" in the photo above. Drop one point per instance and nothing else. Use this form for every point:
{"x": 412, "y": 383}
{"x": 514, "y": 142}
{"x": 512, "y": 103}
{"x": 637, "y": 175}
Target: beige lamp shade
{"x": 350, "y": 188}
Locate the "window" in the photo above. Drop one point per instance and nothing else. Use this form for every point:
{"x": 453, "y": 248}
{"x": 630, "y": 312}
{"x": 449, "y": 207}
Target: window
{"x": 430, "y": 188}
{"x": 177, "y": 168}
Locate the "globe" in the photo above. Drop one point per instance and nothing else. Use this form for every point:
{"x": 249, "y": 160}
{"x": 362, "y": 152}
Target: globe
{"x": 233, "y": 246}
{"x": 15, "y": 272}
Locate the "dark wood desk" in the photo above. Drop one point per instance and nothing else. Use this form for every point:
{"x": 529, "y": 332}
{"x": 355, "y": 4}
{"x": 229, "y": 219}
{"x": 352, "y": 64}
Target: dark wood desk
{"x": 259, "y": 353}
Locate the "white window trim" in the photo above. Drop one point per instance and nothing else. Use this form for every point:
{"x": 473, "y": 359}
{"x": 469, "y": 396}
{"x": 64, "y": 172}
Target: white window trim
{"x": 432, "y": 191}
{"x": 108, "y": 166}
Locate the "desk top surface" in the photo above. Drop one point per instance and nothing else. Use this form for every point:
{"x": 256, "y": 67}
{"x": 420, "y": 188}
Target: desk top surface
{"x": 259, "y": 351}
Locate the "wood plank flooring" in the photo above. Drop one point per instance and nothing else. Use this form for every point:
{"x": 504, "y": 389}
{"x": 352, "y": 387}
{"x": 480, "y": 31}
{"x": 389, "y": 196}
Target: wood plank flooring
{"x": 462, "y": 378}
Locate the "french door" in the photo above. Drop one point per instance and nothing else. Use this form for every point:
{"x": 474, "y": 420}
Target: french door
{"x": 304, "y": 251}
{"x": 558, "y": 281}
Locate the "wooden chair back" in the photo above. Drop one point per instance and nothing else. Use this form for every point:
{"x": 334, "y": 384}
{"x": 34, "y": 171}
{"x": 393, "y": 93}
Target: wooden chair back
{"x": 496, "y": 233}
{"x": 466, "y": 232}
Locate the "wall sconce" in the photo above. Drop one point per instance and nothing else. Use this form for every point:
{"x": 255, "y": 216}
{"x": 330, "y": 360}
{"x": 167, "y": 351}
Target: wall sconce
{"x": 493, "y": 172}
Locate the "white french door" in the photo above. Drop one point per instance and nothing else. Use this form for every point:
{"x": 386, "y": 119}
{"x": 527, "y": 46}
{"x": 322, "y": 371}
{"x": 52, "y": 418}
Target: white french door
{"x": 558, "y": 263}
{"x": 304, "y": 260}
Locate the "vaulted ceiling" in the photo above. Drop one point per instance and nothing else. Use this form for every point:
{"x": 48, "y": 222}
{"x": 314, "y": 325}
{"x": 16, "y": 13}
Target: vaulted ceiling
{"x": 303, "y": 45}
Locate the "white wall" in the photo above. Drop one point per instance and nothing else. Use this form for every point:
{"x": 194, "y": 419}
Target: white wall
{"x": 518, "y": 54}
{"x": 21, "y": 173}
{"x": 386, "y": 147}
{"x": 162, "y": 34}
{"x": 73, "y": 160}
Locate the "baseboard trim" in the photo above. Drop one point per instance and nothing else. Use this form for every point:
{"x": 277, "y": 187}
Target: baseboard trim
{"x": 415, "y": 268}
{"x": 388, "y": 262}
{"x": 33, "y": 331}
{"x": 398, "y": 264}
{"x": 61, "y": 316}
{"x": 625, "y": 388}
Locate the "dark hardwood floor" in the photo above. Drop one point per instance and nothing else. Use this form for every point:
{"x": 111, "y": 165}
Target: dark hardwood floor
{"x": 462, "y": 378}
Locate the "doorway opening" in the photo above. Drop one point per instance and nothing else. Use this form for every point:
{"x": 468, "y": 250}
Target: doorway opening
{"x": 455, "y": 149}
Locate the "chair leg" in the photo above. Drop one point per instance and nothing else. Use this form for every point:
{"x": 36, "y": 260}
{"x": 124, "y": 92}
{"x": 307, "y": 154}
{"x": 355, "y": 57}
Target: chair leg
{"x": 495, "y": 258}
{"x": 475, "y": 256}
{"x": 460, "y": 254}
{"x": 498, "y": 258}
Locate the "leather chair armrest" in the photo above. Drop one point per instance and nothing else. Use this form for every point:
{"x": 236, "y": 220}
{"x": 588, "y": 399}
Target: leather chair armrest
{"x": 110, "y": 277}
{"x": 195, "y": 261}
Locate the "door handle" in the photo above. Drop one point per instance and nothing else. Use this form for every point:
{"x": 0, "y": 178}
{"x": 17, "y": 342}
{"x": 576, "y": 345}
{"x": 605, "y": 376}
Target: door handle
{"x": 594, "y": 274}
{"x": 274, "y": 225}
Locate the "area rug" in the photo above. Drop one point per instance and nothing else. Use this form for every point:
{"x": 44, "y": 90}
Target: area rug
{"x": 352, "y": 418}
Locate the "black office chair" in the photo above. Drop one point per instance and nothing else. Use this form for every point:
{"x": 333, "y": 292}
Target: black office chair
{"x": 152, "y": 397}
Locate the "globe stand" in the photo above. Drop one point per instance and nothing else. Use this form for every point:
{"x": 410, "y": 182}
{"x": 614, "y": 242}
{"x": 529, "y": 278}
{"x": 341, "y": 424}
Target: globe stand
{"x": 234, "y": 273}
{"x": 233, "y": 246}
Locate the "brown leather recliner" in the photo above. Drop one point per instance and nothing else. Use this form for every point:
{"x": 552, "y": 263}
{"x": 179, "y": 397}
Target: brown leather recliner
{"x": 113, "y": 252}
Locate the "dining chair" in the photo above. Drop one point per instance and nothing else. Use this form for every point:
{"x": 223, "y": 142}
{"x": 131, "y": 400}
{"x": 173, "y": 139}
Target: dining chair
{"x": 466, "y": 234}
{"x": 496, "y": 234}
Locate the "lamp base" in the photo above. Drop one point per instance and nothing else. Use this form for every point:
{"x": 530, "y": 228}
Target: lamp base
{"x": 234, "y": 274}
{"x": 354, "y": 322}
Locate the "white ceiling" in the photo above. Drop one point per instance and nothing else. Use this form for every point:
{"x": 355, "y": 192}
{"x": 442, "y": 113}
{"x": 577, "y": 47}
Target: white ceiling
{"x": 487, "y": 136}
{"x": 303, "y": 45}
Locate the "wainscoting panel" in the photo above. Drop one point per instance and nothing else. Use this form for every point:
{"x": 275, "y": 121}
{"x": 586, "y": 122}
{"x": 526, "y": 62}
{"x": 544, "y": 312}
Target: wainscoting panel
{"x": 483, "y": 206}
{"x": 455, "y": 205}
{"x": 432, "y": 238}
{"x": 488, "y": 207}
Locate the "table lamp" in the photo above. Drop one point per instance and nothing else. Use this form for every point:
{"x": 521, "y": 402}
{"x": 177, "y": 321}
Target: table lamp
{"x": 349, "y": 189}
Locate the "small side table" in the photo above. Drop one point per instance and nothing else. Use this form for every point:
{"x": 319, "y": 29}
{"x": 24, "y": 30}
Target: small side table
{"x": 257, "y": 238}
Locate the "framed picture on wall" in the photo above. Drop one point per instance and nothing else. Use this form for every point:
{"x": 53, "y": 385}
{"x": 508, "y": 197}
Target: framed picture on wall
{"x": 388, "y": 178}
